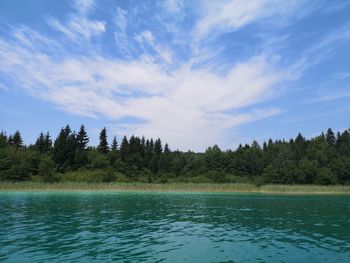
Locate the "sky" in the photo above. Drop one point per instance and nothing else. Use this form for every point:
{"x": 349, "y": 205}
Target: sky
{"x": 194, "y": 73}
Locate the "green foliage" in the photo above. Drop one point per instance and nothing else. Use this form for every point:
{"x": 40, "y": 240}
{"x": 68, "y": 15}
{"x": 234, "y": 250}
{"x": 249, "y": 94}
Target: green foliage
{"x": 47, "y": 168}
{"x": 16, "y": 139}
{"x": 82, "y": 138}
{"x": 307, "y": 171}
{"x": 114, "y": 146}
{"x": 17, "y": 164}
{"x": 64, "y": 150}
{"x": 270, "y": 175}
{"x": 3, "y": 140}
{"x": 43, "y": 144}
{"x": 100, "y": 162}
{"x": 325, "y": 177}
{"x": 324, "y": 159}
{"x": 341, "y": 168}
{"x": 103, "y": 145}
{"x": 330, "y": 137}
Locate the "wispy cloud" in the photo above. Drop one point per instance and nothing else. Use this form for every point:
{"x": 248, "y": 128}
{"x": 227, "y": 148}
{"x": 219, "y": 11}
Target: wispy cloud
{"x": 331, "y": 95}
{"x": 78, "y": 24}
{"x": 83, "y": 6}
{"x": 229, "y": 15}
{"x": 320, "y": 51}
{"x": 186, "y": 107}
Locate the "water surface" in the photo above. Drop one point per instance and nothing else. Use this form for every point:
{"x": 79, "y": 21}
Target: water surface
{"x": 150, "y": 227}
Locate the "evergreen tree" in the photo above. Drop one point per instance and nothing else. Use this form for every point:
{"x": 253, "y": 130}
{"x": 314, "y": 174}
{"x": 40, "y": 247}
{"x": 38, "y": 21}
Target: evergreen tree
{"x": 40, "y": 143}
{"x": 149, "y": 152}
{"x": 16, "y": 139}
{"x": 166, "y": 148}
{"x": 3, "y": 140}
{"x": 60, "y": 152}
{"x": 124, "y": 149}
{"x": 103, "y": 145}
{"x": 114, "y": 146}
{"x": 83, "y": 138}
{"x": 165, "y": 160}
{"x": 264, "y": 146}
{"x": 158, "y": 147}
{"x": 9, "y": 140}
{"x": 299, "y": 147}
{"x": 47, "y": 142}
{"x": 43, "y": 143}
{"x": 143, "y": 142}
{"x": 143, "y": 148}
{"x": 330, "y": 137}
{"x": 71, "y": 151}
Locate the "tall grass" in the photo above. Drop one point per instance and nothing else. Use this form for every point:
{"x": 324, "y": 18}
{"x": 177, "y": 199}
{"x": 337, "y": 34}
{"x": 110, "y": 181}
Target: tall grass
{"x": 175, "y": 187}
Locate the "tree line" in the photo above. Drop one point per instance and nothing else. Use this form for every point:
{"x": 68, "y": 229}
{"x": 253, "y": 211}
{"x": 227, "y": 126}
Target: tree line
{"x": 324, "y": 159}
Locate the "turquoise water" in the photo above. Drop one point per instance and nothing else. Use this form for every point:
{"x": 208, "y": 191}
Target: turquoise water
{"x": 145, "y": 227}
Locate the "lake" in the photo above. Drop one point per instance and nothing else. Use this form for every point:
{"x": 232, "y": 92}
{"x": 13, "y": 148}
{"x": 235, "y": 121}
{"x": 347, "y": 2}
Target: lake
{"x": 173, "y": 227}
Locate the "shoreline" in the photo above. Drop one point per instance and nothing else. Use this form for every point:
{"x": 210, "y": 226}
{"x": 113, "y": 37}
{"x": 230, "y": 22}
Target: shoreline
{"x": 174, "y": 187}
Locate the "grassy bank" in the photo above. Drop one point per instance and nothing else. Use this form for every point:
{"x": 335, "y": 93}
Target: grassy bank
{"x": 175, "y": 187}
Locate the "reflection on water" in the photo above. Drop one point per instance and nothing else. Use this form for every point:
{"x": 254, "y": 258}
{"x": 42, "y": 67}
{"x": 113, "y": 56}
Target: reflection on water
{"x": 136, "y": 227}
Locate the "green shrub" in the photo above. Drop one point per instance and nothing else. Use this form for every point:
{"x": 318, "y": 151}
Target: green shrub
{"x": 95, "y": 176}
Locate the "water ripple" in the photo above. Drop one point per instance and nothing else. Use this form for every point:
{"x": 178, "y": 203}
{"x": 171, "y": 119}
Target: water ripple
{"x": 91, "y": 227}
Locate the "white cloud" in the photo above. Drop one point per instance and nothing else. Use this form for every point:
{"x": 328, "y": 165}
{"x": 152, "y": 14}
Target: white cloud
{"x": 78, "y": 24}
{"x": 174, "y": 6}
{"x": 120, "y": 19}
{"x": 147, "y": 37}
{"x": 83, "y": 6}
{"x": 77, "y": 27}
{"x": 330, "y": 96}
{"x": 120, "y": 34}
{"x": 229, "y": 15}
{"x": 188, "y": 108}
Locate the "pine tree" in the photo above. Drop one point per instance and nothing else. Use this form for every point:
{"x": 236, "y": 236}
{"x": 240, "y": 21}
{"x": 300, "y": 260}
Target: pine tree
{"x": 158, "y": 147}
{"x": 330, "y": 137}
{"x": 83, "y": 138}
{"x": 166, "y": 148}
{"x": 151, "y": 147}
{"x": 72, "y": 149}
{"x": 299, "y": 147}
{"x": 9, "y": 140}
{"x": 40, "y": 143}
{"x": 132, "y": 145}
{"x": 264, "y": 146}
{"x": 60, "y": 152}
{"x": 3, "y": 140}
{"x": 143, "y": 141}
{"x": 17, "y": 139}
{"x": 143, "y": 148}
{"x": 103, "y": 146}
{"x": 124, "y": 149}
{"x": 149, "y": 152}
{"x": 47, "y": 142}
{"x": 114, "y": 146}
{"x": 165, "y": 159}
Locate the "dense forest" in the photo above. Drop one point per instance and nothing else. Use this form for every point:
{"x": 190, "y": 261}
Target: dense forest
{"x": 324, "y": 159}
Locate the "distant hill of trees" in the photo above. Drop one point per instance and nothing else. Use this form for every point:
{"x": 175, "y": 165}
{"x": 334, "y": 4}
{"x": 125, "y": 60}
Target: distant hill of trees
{"x": 324, "y": 159}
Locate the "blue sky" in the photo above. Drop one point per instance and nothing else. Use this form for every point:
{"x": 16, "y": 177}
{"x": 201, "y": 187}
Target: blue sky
{"x": 195, "y": 73}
